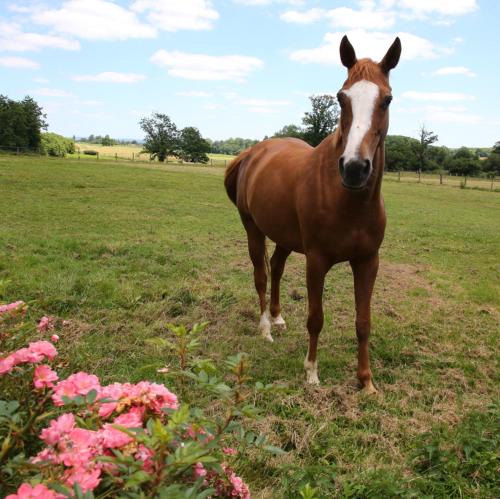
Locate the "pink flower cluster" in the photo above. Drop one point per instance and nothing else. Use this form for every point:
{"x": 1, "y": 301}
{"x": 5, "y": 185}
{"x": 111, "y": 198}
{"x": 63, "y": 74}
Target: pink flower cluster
{"x": 12, "y": 308}
{"x": 228, "y": 485}
{"x": 46, "y": 323}
{"x": 40, "y": 491}
{"x": 76, "y": 449}
{"x": 36, "y": 352}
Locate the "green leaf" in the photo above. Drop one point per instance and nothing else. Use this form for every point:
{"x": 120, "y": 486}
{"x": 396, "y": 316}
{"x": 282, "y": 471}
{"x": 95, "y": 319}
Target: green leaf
{"x": 273, "y": 449}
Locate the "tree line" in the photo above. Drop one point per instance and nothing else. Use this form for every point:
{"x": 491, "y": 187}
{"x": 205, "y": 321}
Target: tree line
{"x": 22, "y": 125}
{"x": 105, "y": 140}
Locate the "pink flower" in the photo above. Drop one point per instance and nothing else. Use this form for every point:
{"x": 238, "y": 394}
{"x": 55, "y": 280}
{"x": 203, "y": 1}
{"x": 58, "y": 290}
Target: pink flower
{"x": 240, "y": 488}
{"x": 38, "y": 350}
{"x": 44, "y": 377}
{"x": 114, "y": 393}
{"x": 54, "y": 338}
{"x": 131, "y": 419}
{"x": 229, "y": 451}
{"x": 113, "y": 438}
{"x": 40, "y": 491}
{"x": 145, "y": 454}
{"x": 199, "y": 470}
{"x": 11, "y": 308}
{"x": 87, "y": 479}
{"x": 77, "y": 384}
{"x": 45, "y": 324}
{"x": 58, "y": 429}
{"x": 7, "y": 364}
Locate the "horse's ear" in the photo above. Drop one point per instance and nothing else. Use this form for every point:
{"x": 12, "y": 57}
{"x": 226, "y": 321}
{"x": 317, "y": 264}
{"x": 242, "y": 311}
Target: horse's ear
{"x": 391, "y": 59}
{"x": 347, "y": 54}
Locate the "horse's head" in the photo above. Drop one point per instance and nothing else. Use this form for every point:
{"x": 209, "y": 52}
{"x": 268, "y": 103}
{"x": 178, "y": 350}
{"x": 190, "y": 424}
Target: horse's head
{"x": 364, "y": 119}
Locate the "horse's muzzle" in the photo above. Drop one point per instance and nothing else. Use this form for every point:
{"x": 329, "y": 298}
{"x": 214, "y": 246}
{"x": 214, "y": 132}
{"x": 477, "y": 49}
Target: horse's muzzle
{"x": 355, "y": 173}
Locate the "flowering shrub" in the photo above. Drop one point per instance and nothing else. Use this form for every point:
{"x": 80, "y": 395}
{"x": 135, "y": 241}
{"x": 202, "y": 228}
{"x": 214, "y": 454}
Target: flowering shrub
{"x": 74, "y": 437}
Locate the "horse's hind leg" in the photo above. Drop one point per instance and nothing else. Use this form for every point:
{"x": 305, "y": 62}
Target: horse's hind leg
{"x": 257, "y": 250}
{"x": 277, "y": 266}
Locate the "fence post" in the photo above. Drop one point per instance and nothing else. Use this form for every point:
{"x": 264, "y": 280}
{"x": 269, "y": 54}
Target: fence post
{"x": 78, "y": 153}
{"x": 492, "y": 180}
{"x": 399, "y": 175}
{"x": 440, "y": 179}
{"x": 225, "y": 162}
{"x": 419, "y": 176}
{"x": 97, "y": 155}
{"x": 465, "y": 181}
{"x": 116, "y": 156}
{"x": 133, "y": 156}
{"x": 211, "y": 162}
{"x": 17, "y": 151}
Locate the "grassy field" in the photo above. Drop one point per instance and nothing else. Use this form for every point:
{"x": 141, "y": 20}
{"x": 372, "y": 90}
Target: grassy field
{"x": 120, "y": 249}
{"x": 130, "y": 151}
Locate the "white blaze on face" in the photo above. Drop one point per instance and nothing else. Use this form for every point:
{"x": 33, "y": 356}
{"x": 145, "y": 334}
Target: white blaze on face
{"x": 363, "y": 95}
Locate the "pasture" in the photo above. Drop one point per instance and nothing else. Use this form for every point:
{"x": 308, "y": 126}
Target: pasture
{"x": 121, "y": 249}
{"x": 130, "y": 151}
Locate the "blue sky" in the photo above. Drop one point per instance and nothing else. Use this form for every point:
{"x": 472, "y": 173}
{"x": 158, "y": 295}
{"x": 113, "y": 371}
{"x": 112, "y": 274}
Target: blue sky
{"x": 246, "y": 67}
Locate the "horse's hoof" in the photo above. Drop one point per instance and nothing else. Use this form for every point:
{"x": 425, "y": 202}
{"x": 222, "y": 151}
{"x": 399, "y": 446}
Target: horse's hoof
{"x": 279, "y": 322}
{"x": 369, "y": 389}
{"x": 267, "y": 336}
{"x": 312, "y": 379}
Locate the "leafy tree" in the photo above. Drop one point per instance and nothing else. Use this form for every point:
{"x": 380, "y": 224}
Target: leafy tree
{"x": 107, "y": 141}
{"x": 162, "y": 136}
{"x": 463, "y": 162}
{"x": 425, "y": 139}
{"x": 21, "y": 123}
{"x": 193, "y": 147}
{"x": 400, "y": 153}
{"x": 492, "y": 164}
{"x": 53, "y": 144}
{"x": 233, "y": 145}
{"x": 290, "y": 131}
{"x": 322, "y": 120}
{"x": 437, "y": 157}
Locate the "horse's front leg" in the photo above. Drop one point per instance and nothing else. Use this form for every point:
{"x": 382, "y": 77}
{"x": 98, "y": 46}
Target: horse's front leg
{"x": 317, "y": 268}
{"x": 365, "y": 273}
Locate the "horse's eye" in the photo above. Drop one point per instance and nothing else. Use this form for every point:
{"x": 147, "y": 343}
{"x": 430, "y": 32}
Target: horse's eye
{"x": 387, "y": 100}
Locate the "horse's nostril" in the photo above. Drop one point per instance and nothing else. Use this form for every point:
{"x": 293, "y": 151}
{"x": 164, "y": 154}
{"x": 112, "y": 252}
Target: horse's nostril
{"x": 341, "y": 165}
{"x": 366, "y": 168}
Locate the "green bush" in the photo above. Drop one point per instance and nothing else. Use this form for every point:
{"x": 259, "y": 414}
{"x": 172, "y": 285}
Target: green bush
{"x": 52, "y": 144}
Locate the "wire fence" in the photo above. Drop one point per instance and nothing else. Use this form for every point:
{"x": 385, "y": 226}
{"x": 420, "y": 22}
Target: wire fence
{"x": 490, "y": 182}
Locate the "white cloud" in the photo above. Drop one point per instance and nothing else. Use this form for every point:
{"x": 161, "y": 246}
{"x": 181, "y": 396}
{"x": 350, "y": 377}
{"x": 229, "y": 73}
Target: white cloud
{"x": 51, "y": 92}
{"x": 444, "y": 7}
{"x": 111, "y": 77}
{"x": 437, "y": 96}
{"x": 18, "y": 63}
{"x": 455, "y": 114}
{"x": 455, "y": 70}
{"x": 12, "y": 38}
{"x": 303, "y": 16}
{"x": 372, "y": 44}
{"x": 344, "y": 17}
{"x": 259, "y": 3}
{"x": 94, "y": 20}
{"x": 193, "y": 93}
{"x": 171, "y": 15}
{"x": 206, "y": 67}
{"x": 41, "y": 80}
{"x": 263, "y": 106}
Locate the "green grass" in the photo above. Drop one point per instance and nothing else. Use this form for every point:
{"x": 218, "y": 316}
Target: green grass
{"x": 120, "y": 249}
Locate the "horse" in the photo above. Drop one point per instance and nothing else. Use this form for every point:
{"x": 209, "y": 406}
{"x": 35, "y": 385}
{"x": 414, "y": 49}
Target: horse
{"x": 324, "y": 202}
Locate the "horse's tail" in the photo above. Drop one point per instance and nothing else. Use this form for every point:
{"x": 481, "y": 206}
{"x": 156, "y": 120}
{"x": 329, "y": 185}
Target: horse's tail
{"x": 231, "y": 176}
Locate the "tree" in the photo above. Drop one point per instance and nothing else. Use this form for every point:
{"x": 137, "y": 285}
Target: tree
{"x": 192, "y": 146}
{"x": 492, "y": 164}
{"x": 322, "y": 120}
{"x": 53, "y": 144}
{"x": 425, "y": 139}
{"x": 400, "y": 153}
{"x": 21, "y": 123}
{"x": 463, "y": 162}
{"x": 162, "y": 136}
{"x": 290, "y": 131}
{"x": 107, "y": 141}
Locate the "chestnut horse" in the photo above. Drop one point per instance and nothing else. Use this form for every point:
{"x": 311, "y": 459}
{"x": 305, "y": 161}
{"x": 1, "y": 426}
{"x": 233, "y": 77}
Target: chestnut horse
{"x": 324, "y": 202}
